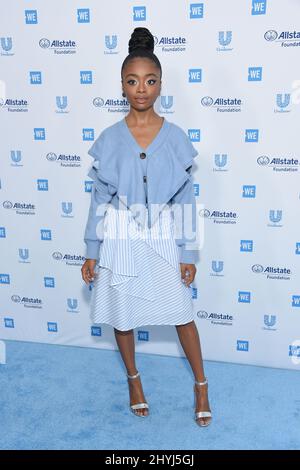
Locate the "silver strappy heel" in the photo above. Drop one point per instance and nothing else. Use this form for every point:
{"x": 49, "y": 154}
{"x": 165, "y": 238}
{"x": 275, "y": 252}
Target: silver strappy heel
{"x": 138, "y": 406}
{"x": 201, "y": 414}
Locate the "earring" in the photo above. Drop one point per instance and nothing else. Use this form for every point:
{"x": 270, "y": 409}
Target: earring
{"x": 123, "y": 94}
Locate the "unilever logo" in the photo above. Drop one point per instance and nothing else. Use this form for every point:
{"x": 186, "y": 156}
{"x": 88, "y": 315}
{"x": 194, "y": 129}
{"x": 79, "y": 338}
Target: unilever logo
{"x": 111, "y": 44}
{"x": 217, "y": 268}
{"x": 269, "y": 322}
{"x": 220, "y": 162}
{"x": 272, "y": 272}
{"x": 166, "y": 104}
{"x": 275, "y": 217}
{"x": 72, "y": 305}
{"x": 225, "y": 38}
{"x": 282, "y": 101}
{"x": 284, "y": 164}
{"x": 61, "y": 104}
{"x": 16, "y": 157}
{"x": 67, "y": 208}
{"x": 23, "y": 255}
{"x": 6, "y": 46}
{"x": 287, "y": 38}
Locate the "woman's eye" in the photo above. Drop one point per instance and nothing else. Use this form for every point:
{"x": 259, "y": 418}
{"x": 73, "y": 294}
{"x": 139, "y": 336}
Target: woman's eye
{"x": 129, "y": 81}
{"x": 152, "y": 80}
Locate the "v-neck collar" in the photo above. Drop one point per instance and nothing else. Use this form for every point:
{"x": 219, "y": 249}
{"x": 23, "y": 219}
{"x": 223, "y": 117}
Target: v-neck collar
{"x": 155, "y": 142}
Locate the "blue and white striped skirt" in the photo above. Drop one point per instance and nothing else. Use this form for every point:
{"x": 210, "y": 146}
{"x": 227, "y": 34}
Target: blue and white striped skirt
{"x": 138, "y": 280}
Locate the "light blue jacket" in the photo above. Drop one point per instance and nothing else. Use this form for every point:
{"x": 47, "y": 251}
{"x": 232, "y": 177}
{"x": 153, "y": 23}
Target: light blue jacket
{"x": 117, "y": 172}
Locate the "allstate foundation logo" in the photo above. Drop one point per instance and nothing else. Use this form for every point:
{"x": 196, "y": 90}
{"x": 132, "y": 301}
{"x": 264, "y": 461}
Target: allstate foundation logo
{"x": 67, "y": 210}
{"x": 6, "y": 45}
{"x": 217, "y": 268}
{"x": 111, "y": 105}
{"x": 283, "y": 38}
{"x": 219, "y": 217}
{"x": 21, "y": 208}
{"x": 72, "y": 305}
{"x": 221, "y": 105}
{"x": 273, "y": 272}
{"x": 171, "y": 43}
{"x": 61, "y": 104}
{"x": 65, "y": 160}
{"x": 275, "y": 217}
{"x": 111, "y": 43}
{"x": 225, "y": 38}
{"x": 271, "y": 35}
{"x": 220, "y": 161}
{"x": 68, "y": 259}
{"x": 222, "y": 319}
{"x": 166, "y": 104}
{"x": 282, "y": 102}
{"x": 16, "y": 158}
{"x": 269, "y": 322}
{"x": 279, "y": 163}
{"x": 27, "y": 302}
{"x": 14, "y": 105}
{"x": 58, "y": 46}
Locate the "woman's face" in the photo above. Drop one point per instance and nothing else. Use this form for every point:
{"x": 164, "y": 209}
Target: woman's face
{"x": 141, "y": 83}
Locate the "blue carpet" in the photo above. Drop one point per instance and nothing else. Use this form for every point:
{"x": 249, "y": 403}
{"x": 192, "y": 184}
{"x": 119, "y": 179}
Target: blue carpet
{"x": 63, "y": 397}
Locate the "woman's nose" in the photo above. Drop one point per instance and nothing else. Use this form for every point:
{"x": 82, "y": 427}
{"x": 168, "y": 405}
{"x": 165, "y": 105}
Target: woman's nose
{"x": 141, "y": 87}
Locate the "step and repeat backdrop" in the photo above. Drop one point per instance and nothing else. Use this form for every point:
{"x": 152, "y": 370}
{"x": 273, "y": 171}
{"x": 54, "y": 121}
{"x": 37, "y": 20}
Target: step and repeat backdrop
{"x": 231, "y": 80}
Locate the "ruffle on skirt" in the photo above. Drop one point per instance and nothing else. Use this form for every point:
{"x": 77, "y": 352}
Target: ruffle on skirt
{"x": 118, "y": 255}
{"x": 139, "y": 278}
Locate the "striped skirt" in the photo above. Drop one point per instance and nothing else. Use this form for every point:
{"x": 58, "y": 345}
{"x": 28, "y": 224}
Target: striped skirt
{"x": 138, "y": 279}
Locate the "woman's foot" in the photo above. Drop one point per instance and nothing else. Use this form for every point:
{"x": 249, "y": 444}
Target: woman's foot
{"x": 202, "y": 403}
{"x": 137, "y": 395}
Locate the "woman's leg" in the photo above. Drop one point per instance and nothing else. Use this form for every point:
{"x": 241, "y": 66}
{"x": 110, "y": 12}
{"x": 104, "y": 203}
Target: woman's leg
{"x": 190, "y": 342}
{"x": 125, "y": 342}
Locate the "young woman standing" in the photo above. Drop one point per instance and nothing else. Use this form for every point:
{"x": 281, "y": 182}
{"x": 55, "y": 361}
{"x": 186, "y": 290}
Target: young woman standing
{"x": 143, "y": 277}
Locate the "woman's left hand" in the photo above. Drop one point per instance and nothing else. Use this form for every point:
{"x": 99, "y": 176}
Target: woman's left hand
{"x": 188, "y": 272}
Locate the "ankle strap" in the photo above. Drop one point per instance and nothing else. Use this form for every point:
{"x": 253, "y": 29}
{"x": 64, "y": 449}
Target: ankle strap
{"x": 201, "y": 383}
{"x": 133, "y": 376}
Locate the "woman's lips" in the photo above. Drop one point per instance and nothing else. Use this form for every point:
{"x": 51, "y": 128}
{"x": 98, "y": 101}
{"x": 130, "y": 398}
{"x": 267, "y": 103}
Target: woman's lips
{"x": 141, "y": 100}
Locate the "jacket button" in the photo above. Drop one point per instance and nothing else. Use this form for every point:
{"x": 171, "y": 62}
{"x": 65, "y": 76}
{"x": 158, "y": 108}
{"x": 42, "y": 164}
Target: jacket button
{"x": 142, "y": 155}
{"x": 145, "y": 179}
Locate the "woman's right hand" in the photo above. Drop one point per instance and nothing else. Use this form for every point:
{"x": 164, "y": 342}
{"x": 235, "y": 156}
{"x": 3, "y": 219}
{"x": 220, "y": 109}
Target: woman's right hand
{"x": 88, "y": 270}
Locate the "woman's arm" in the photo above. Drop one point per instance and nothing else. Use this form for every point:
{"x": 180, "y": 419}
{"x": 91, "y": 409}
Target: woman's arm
{"x": 185, "y": 214}
{"x": 93, "y": 236}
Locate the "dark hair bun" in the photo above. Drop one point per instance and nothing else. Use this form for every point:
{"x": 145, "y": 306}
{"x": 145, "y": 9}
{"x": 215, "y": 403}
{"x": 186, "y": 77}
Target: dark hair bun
{"x": 141, "y": 38}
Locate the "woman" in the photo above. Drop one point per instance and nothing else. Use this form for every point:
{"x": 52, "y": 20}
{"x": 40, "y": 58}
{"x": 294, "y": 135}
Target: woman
{"x": 143, "y": 276}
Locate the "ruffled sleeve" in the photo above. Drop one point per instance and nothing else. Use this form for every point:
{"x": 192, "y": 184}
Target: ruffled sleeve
{"x": 184, "y": 203}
